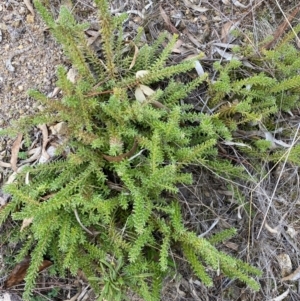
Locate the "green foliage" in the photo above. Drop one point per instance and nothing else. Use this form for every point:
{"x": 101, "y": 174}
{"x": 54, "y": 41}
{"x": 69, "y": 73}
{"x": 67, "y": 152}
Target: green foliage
{"x": 109, "y": 207}
{"x": 249, "y": 101}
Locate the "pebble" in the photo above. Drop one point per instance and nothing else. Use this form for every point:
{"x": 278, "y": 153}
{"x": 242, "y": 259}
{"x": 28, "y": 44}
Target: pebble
{"x": 22, "y": 10}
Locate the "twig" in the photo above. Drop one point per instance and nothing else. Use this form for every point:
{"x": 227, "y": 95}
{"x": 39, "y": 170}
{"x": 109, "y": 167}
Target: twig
{"x": 282, "y": 27}
{"x": 80, "y": 223}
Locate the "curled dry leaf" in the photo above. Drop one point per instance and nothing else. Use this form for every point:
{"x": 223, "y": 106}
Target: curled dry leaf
{"x": 275, "y": 142}
{"x": 142, "y": 91}
{"x": 141, "y": 73}
{"x": 239, "y": 4}
{"x": 18, "y": 273}
{"x": 177, "y": 47}
{"x": 136, "y": 51}
{"x": 231, "y": 245}
{"x": 195, "y": 7}
{"x": 270, "y": 229}
{"x": 226, "y": 37}
{"x": 36, "y": 152}
{"x": 281, "y": 28}
{"x": 226, "y": 55}
{"x": 199, "y": 68}
{"x": 167, "y": 20}
{"x": 44, "y": 130}
{"x": 29, "y": 6}
{"x": 293, "y": 277}
{"x": 193, "y": 39}
{"x": 5, "y": 164}
{"x": 14, "y": 152}
{"x": 139, "y": 95}
{"x": 147, "y": 90}
{"x": 94, "y": 35}
{"x": 26, "y": 222}
{"x": 54, "y": 92}
{"x": 13, "y": 176}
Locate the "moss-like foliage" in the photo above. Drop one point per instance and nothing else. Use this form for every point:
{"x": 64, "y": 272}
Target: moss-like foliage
{"x": 109, "y": 206}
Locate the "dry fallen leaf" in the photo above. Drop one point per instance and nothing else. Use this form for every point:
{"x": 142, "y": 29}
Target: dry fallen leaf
{"x": 14, "y": 152}
{"x": 141, "y": 92}
{"x": 281, "y": 28}
{"x": 272, "y": 230}
{"x": 35, "y": 152}
{"x": 5, "y": 164}
{"x": 44, "y": 130}
{"x": 192, "y": 39}
{"x": 139, "y": 95}
{"x": 199, "y": 68}
{"x": 26, "y": 223}
{"x": 147, "y": 90}
{"x": 195, "y": 7}
{"x": 136, "y": 51}
{"x": 226, "y": 37}
{"x": 167, "y": 20}
{"x": 177, "y": 46}
{"x": 94, "y": 35}
{"x": 239, "y": 4}
{"x": 141, "y": 73}
{"x": 231, "y": 245}
{"x": 54, "y": 92}
{"x": 18, "y": 273}
{"x": 293, "y": 277}
{"x": 29, "y": 6}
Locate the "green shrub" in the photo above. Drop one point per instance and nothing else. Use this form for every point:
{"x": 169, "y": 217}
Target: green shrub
{"x": 108, "y": 205}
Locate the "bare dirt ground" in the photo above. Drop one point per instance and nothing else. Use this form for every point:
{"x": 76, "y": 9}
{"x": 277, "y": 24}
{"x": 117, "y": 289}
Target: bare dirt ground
{"x": 269, "y": 238}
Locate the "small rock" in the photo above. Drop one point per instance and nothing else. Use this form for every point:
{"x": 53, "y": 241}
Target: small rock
{"x": 3, "y": 26}
{"x": 22, "y": 10}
